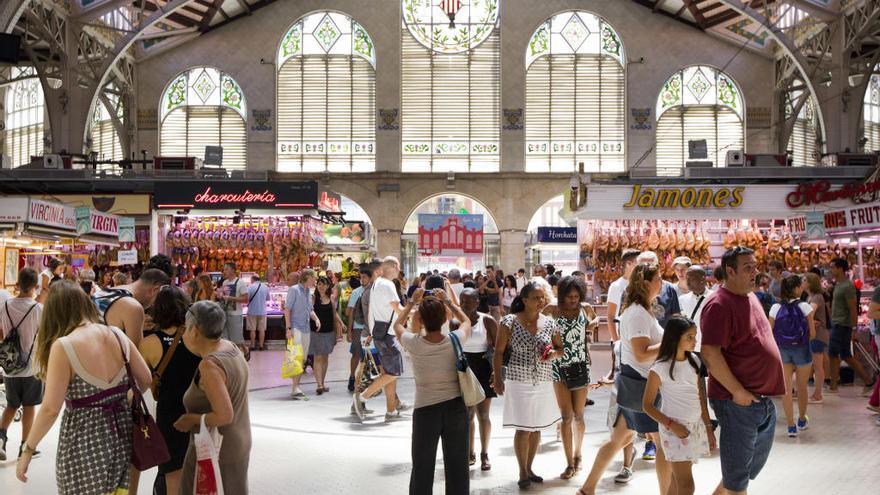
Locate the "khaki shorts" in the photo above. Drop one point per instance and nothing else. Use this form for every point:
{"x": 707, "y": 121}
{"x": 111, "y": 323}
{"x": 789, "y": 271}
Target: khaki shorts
{"x": 256, "y": 323}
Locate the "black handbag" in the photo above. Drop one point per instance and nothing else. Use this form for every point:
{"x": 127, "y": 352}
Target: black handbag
{"x": 575, "y": 375}
{"x": 631, "y": 388}
{"x": 380, "y": 329}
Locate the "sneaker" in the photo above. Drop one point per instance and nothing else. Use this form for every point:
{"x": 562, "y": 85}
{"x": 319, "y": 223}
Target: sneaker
{"x": 351, "y": 384}
{"x": 363, "y": 407}
{"x": 358, "y": 406}
{"x": 402, "y": 406}
{"x": 803, "y": 424}
{"x": 624, "y": 476}
{"x": 650, "y": 451}
{"x": 298, "y": 395}
{"x": 813, "y": 400}
{"x": 392, "y": 416}
{"x": 2, "y": 448}
{"x": 792, "y": 431}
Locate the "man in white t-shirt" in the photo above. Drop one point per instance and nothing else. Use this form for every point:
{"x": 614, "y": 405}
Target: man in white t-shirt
{"x": 520, "y": 280}
{"x": 23, "y": 390}
{"x": 384, "y": 307}
{"x": 691, "y": 304}
{"x": 617, "y": 289}
{"x": 455, "y": 283}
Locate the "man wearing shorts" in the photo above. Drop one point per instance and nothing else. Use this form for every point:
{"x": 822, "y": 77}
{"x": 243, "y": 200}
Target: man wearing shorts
{"x": 745, "y": 370}
{"x": 23, "y": 390}
{"x": 844, "y": 315}
{"x": 298, "y": 310}
{"x": 258, "y": 295}
{"x": 384, "y": 307}
{"x": 233, "y": 293}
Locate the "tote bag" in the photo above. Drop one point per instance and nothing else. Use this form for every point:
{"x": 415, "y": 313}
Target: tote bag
{"x": 471, "y": 390}
{"x": 207, "y": 446}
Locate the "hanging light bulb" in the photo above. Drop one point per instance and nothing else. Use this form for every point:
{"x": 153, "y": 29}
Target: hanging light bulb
{"x": 450, "y": 8}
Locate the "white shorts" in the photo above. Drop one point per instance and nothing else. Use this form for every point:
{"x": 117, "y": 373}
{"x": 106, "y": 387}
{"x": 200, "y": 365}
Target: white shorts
{"x": 685, "y": 449}
{"x": 302, "y": 338}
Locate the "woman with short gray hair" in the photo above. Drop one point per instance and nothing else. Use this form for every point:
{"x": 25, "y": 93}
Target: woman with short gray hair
{"x": 219, "y": 393}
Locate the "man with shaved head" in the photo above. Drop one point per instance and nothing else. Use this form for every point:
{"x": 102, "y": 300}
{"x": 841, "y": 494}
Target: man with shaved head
{"x": 692, "y": 303}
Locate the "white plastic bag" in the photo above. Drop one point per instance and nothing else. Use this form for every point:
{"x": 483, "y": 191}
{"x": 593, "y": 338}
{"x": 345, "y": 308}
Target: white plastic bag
{"x": 207, "y": 444}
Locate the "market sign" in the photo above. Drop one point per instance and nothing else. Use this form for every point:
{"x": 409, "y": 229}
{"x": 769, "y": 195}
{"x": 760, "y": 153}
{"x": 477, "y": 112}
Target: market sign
{"x": 127, "y": 257}
{"x": 818, "y": 192}
{"x": 117, "y": 204}
{"x": 347, "y": 233}
{"x": 450, "y": 235}
{"x": 864, "y": 217}
{"x": 557, "y": 235}
{"x": 126, "y": 229}
{"x": 231, "y": 195}
{"x": 815, "y": 226}
{"x": 14, "y": 209}
{"x": 50, "y": 214}
{"x": 685, "y": 197}
{"x": 330, "y": 202}
{"x": 89, "y": 221}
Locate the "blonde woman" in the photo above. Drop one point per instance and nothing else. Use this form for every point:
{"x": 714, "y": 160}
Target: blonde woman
{"x": 83, "y": 363}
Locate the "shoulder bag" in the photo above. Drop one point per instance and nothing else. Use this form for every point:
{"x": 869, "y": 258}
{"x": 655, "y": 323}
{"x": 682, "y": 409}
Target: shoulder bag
{"x": 160, "y": 370}
{"x": 471, "y": 390}
{"x": 11, "y": 359}
{"x": 148, "y": 448}
{"x": 631, "y": 388}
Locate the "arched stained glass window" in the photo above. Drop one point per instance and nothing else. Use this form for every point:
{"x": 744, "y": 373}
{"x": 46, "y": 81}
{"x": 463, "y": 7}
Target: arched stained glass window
{"x": 871, "y": 117}
{"x": 575, "y": 95}
{"x": 204, "y": 107}
{"x": 23, "y": 136}
{"x": 451, "y": 86}
{"x": 697, "y": 103}
{"x": 326, "y": 96}
{"x": 803, "y": 144}
{"x": 103, "y": 139}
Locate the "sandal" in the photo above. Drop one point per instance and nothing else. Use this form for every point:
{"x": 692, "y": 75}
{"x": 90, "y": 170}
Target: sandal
{"x": 484, "y": 462}
{"x": 320, "y": 390}
{"x": 568, "y": 473}
{"x": 472, "y": 459}
{"x": 577, "y": 463}
{"x": 534, "y": 477}
{"x": 523, "y": 484}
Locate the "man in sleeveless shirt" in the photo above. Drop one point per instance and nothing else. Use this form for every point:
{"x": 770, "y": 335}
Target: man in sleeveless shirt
{"x": 123, "y": 306}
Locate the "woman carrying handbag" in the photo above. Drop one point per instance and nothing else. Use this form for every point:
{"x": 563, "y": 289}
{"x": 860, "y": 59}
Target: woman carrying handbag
{"x": 571, "y": 373}
{"x": 91, "y": 368}
{"x": 440, "y": 409}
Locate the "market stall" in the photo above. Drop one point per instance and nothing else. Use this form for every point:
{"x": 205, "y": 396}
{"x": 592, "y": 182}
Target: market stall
{"x": 266, "y": 228}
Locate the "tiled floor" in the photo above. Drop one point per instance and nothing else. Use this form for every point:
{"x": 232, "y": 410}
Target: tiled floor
{"x": 316, "y": 447}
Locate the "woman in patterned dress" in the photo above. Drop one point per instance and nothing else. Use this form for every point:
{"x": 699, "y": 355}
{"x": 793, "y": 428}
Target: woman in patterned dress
{"x": 82, "y": 364}
{"x": 533, "y": 340}
{"x": 574, "y": 319}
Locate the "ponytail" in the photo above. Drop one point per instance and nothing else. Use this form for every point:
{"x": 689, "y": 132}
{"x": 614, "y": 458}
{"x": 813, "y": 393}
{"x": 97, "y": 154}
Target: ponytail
{"x": 518, "y": 305}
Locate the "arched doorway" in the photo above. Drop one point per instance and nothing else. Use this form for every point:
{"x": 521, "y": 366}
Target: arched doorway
{"x": 469, "y": 251}
{"x": 351, "y": 240}
{"x": 551, "y": 239}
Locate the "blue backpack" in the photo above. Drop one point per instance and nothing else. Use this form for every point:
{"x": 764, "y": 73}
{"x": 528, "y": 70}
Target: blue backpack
{"x": 790, "y": 328}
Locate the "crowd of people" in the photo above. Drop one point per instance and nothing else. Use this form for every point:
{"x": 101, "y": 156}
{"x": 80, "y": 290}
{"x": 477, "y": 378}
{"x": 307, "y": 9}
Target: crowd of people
{"x": 715, "y": 344}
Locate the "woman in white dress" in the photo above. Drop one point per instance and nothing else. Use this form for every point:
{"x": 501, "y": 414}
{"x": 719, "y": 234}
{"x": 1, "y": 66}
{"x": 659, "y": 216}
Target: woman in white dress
{"x": 533, "y": 341}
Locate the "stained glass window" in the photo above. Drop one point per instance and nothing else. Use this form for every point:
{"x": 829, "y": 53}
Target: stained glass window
{"x": 204, "y": 107}
{"x": 871, "y": 117}
{"x": 326, "y": 96}
{"x": 103, "y": 138}
{"x": 450, "y": 26}
{"x": 803, "y": 143}
{"x": 23, "y": 136}
{"x": 698, "y": 103}
{"x": 451, "y": 104}
{"x": 575, "y": 95}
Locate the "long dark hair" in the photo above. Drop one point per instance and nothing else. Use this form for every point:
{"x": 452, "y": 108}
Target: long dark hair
{"x": 518, "y": 305}
{"x": 328, "y": 291}
{"x": 789, "y": 286}
{"x": 510, "y": 279}
{"x": 675, "y": 328}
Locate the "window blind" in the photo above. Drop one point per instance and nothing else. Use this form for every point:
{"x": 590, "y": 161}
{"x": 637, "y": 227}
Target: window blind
{"x": 721, "y": 127}
{"x": 22, "y": 143}
{"x": 326, "y": 109}
{"x": 105, "y": 142}
{"x": 575, "y": 112}
{"x": 187, "y": 130}
{"x": 872, "y": 134}
{"x": 802, "y": 143}
{"x": 450, "y": 107}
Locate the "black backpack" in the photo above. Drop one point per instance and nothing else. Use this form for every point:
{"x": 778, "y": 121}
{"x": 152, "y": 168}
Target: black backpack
{"x": 11, "y": 359}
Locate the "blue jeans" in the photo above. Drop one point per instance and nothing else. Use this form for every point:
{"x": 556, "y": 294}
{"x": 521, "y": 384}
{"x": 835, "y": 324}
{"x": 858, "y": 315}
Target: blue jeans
{"x": 746, "y": 440}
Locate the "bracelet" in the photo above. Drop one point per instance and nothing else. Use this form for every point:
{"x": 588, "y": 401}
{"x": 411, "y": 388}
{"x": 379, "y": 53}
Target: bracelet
{"x": 27, "y": 449}
{"x": 668, "y": 422}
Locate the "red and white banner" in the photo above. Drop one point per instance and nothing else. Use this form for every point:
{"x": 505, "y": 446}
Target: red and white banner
{"x": 450, "y": 235}
{"x": 57, "y": 215}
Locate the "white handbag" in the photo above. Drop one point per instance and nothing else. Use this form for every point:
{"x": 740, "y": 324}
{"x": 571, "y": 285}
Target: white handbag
{"x": 208, "y": 479}
{"x": 471, "y": 390}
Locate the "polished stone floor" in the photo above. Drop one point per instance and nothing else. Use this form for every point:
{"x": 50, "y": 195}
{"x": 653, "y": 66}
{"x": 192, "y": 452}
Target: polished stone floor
{"x": 316, "y": 447}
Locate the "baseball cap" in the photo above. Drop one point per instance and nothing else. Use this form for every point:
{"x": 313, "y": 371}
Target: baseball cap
{"x": 682, "y": 260}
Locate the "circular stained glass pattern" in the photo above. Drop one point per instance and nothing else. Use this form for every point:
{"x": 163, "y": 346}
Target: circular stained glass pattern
{"x": 450, "y": 26}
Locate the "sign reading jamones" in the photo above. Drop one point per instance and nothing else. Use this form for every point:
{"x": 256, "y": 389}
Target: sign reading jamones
{"x": 229, "y": 195}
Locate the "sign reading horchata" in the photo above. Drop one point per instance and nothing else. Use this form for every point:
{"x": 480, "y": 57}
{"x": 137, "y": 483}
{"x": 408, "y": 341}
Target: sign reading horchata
{"x": 558, "y": 235}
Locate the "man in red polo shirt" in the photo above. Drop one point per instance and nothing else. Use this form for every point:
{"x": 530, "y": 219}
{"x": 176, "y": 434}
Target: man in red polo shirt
{"x": 745, "y": 370}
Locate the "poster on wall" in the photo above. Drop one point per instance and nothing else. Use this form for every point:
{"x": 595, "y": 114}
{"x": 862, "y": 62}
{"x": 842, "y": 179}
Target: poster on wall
{"x": 450, "y": 235}
{"x": 10, "y": 267}
{"x": 347, "y": 233}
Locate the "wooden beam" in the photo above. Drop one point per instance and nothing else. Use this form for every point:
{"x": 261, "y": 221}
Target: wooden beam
{"x": 698, "y": 16}
{"x": 650, "y": 4}
{"x": 223, "y": 14}
{"x": 658, "y": 5}
{"x": 721, "y": 18}
{"x": 209, "y": 15}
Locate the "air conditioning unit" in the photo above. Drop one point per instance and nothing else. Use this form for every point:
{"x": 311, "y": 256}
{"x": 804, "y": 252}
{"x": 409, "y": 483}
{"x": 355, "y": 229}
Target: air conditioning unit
{"x": 850, "y": 160}
{"x": 53, "y": 161}
{"x": 698, "y": 164}
{"x": 174, "y": 163}
{"x": 213, "y": 155}
{"x": 767, "y": 160}
{"x": 735, "y": 158}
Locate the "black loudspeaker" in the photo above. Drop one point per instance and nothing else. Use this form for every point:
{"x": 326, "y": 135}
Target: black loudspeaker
{"x": 10, "y": 46}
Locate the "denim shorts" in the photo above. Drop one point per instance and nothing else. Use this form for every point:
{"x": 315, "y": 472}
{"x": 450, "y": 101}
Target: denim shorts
{"x": 818, "y": 347}
{"x": 798, "y": 356}
{"x": 840, "y": 344}
{"x": 746, "y": 440}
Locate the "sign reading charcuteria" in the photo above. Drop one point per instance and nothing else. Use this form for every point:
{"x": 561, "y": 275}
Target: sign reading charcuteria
{"x": 650, "y": 197}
